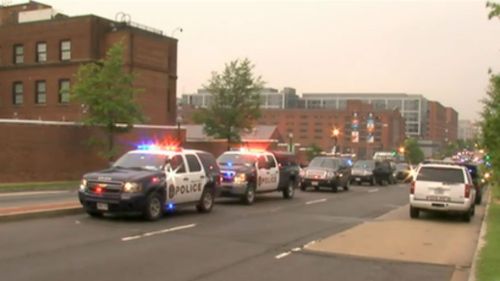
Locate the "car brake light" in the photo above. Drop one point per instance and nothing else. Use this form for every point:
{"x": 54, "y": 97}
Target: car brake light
{"x": 412, "y": 187}
{"x": 98, "y": 189}
{"x": 467, "y": 190}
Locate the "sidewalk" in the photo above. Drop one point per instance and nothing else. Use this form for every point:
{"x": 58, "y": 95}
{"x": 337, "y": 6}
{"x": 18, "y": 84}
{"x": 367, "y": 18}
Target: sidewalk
{"x": 394, "y": 236}
{"x": 24, "y": 205}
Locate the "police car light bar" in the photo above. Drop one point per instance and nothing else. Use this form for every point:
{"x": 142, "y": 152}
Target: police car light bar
{"x": 159, "y": 146}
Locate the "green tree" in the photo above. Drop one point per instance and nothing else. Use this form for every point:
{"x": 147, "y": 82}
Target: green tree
{"x": 413, "y": 153}
{"x": 235, "y": 103}
{"x": 490, "y": 124}
{"x": 313, "y": 151}
{"x": 105, "y": 90}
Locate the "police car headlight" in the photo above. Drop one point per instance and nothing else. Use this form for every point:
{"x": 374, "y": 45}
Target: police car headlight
{"x": 240, "y": 178}
{"x": 83, "y": 185}
{"x": 132, "y": 187}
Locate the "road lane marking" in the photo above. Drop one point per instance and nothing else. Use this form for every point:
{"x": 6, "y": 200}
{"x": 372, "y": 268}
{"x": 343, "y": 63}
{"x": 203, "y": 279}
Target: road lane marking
{"x": 373, "y": 190}
{"x": 148, "y": 234}
{"x": 28, "y": 193}
{"x": 282, "y": 255}
{"x": 316, "y": 201}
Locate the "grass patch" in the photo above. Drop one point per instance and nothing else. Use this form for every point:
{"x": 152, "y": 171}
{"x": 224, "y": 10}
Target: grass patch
{"x": 489, "y": 258}
{"x": 39, "y": 186}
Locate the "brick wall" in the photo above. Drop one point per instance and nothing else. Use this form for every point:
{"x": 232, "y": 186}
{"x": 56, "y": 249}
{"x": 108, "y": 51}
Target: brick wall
{"x": 53, "y": 151}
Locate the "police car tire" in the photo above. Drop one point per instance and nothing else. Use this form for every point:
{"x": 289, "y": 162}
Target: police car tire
{"x": 249, "y": 196}
{"x": 151, "y": 211}
{"x": 202, "y": 206}
{"x": 289, "y": 191}
{"x": 95, "y": 214}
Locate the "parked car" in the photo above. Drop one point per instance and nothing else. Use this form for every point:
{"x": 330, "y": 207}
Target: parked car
{"x": 476, "y": 176}
{"x": 326, "y": 171}
{"x": 443, "y": 188}
{"x": 362, "y": 171}
{"x": 404, "y": 172}
{"x": 384, "y": 172}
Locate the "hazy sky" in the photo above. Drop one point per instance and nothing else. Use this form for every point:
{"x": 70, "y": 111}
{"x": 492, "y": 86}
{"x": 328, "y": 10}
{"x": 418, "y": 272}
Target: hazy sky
{"x": 441, "y": 49}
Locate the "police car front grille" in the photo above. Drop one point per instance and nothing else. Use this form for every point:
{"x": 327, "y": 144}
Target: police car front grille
{"x": 106, "y": 187}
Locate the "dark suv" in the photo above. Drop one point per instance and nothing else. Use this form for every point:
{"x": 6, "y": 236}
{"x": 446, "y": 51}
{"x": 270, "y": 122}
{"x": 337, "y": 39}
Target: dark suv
{"x": 384, "y": 172}
{"x": 326, "y": 171}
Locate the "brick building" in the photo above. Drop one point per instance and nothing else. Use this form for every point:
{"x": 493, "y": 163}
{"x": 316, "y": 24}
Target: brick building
{"x": 442, "y": 123}
{"x": 314, "y": 126}
{"x": 41, "y": 50}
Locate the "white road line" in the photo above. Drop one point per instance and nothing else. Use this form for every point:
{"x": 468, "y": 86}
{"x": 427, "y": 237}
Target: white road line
{"x": 28, "y": 193}
{"x": 147, "y": 234}
{"x": 282, "y": 255}
{"x": 316, "y": 201}
{"x": 373, "y": 190}
{"x": 298, "y": 249}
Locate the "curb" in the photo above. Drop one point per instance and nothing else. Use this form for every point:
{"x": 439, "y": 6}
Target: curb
{"x": 41, "y": 214}
{"x": 480, "y": 241}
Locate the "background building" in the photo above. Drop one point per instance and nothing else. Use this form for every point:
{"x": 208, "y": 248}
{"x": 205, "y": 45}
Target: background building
{"x": 270, "y": 98}
{"x": 306, "y": 127}
{"x": 468, "y": 130}
{"x": 41, "y": 50}
{"x": 412, "y": 107}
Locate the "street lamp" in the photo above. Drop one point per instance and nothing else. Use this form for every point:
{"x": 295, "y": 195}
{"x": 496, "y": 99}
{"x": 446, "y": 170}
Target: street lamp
{"x": 290, "y": 144}
{"x": 335, "y": 134}
{"x": 179, "y": 121}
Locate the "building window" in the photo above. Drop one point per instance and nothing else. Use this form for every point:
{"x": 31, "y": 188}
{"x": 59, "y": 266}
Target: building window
{"x": 63, "y": 91}
{"x": 18, "y": 54}
{"x": 41, "y": 92}
{"x": 41, "y": 52}
{"x": 17, "y": 93}
{"x": 65, "y": 50}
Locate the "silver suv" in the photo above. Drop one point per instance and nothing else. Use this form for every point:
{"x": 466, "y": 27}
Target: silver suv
{"x": 444, "y": 188}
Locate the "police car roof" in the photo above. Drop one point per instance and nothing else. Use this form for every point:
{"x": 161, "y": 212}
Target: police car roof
{"x": 163, "y": 151}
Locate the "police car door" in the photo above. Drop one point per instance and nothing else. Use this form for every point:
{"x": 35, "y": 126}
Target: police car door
{"x": 262, "y": 173}
{"x": 197, "y": 178}
{"x": 177, "y": 179}
{"x": 273, "y": 173}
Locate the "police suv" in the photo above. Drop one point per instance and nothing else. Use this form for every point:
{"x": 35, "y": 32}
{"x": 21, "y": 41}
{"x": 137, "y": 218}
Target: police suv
{"x": 151, "y": 180}
{"x": 245, "y": 173}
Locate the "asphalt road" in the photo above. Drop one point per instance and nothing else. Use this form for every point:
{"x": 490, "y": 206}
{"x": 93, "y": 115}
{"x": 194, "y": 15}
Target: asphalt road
{"x": 234, "y": 242}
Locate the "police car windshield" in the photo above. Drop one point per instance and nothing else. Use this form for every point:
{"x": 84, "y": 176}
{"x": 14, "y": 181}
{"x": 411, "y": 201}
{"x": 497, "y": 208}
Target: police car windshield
{"x": 323, "y": 162}
{"x": 146, "y": 161}
{"x": 236, "y": 159}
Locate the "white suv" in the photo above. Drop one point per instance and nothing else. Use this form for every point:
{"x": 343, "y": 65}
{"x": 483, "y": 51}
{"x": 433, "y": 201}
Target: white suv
{"x": 442, "y": 187}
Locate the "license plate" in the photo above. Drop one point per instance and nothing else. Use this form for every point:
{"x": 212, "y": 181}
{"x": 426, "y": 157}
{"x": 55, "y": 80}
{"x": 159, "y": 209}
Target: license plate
{"x": 358, "y": 179}
{"x": 102, "y": 206}
{"x": 315, "y": 183}
{"x": 438, "y": 198}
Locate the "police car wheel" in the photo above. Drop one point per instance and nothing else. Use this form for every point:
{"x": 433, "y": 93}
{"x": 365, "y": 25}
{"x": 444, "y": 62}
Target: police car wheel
{"x": 249, "y": 196}
{"x": 153, "y": 207}
{"x": 95, "y": 214}
{"x": 206, "y": 202}
{"x": 289, "y": 191}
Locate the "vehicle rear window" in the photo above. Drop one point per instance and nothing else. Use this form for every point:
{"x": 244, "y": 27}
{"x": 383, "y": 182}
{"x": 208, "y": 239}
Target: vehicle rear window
{"x": 440, "y": 174}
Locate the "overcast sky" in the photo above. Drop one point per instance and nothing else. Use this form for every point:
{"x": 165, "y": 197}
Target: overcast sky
{"x": 440, "y": 49}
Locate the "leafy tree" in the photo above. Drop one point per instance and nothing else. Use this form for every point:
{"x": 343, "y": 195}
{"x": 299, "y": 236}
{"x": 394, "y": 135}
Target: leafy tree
{"x": 107, "y": 94}
{"x": 235, "y": 104}
{"x": 313, "y": 151}
{"x": 413, "y": 153}
{"x": 491, "y": 111}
